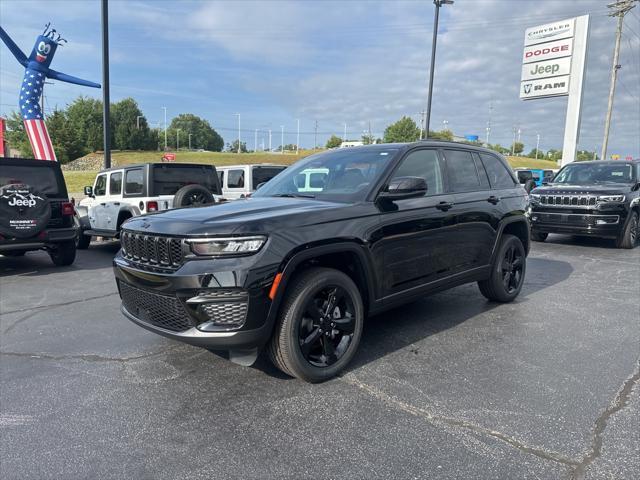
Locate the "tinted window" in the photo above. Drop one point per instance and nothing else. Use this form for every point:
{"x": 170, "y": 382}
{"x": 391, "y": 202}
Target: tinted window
{"x": 101, "y": 186}
{"x": 168, "y": 179}
{"x": 133, "y": 182}
{"x": 44, "y": 180}
{"x": 461, "y": 169}
{"x": 316, "y": 180}
{"x": 235, "y": 179}
{"x": 424, "y": 164}
{"x": 499, "y": 176}
{"x": 524, "y": 176}
{"x": 264, "y": 174}
{"x": 221, "y": 177}
{"x": 587, "y": 173}
{"x": 115, "y": 183}
{"x": 484, "y": 179}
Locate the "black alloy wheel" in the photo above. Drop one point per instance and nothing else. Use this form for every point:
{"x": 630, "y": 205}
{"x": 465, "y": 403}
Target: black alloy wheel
{"x": 512, "y": 269}
{"x": 196, "y": 199}
{"x": 326, "y": 326}
{"x": 630, "y": 233}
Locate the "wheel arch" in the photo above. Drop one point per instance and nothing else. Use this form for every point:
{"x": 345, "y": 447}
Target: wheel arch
{"x": 349, "y": 257}
{"x": 516, "y": 225}
{"x": 125, "y": 213}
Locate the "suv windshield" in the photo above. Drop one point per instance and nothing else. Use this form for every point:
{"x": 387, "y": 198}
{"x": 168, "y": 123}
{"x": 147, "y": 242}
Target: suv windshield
{"x": 168, "y": 179}
{"x": 342, "y": 175}
{"x": 45, "y": 180}
{"x": 591, "y": 173}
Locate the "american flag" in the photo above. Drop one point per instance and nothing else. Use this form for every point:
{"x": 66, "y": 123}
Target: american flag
{"x": 33, "y": 117}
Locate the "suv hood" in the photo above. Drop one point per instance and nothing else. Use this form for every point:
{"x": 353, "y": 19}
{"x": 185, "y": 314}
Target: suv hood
{"x": 566, "y": 189}
{"x": 252, "y": 215}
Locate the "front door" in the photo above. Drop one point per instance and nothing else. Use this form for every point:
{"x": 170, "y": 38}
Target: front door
{"x": 411, "y": 246}
{"x": 97, "y": 209}
{"x": 112, "y": 207}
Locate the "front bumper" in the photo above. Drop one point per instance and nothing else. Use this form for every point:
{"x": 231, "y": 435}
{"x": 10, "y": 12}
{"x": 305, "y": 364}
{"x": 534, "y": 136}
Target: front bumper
{"x": 219, "y": 304}
{"x": 44, "y": 239}
{"x": 607, "y": 224}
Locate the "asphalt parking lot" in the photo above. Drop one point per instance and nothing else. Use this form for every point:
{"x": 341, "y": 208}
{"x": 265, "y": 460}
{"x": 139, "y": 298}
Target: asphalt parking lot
{"x": 448, "y": 387}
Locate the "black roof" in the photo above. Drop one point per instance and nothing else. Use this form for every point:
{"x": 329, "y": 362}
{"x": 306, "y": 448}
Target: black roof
{"x": 31, "y": 162}
{"x": 134, "y": 165}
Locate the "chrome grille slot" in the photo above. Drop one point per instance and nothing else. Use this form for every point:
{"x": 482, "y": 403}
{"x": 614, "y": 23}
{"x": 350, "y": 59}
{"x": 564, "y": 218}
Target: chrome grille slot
{"x": 153, "y": 251}
{"x": 579, "y": 201}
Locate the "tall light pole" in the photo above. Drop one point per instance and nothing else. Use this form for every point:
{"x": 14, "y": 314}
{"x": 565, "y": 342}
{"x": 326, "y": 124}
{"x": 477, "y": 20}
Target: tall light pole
{"x": 620, "y": 8}
{"x": 189, "y": 142}
{"x": 255, "y": 142}
{"x": 270, "y": 148}
{"x": 106, "y": 122}
{"x": 438, "y": 4}
{"x": 298, "y": 138}
{"x": 238, "y": 131}
{"x": 445, "y": 123}
{"x": 282, "y": 141}
{"x": 138, "y": 121}
{"x": 537, "y": 144}
{"x": 344, "y": 139}
{"x": 177, "y": 139}
{"x": 165, "y": 127}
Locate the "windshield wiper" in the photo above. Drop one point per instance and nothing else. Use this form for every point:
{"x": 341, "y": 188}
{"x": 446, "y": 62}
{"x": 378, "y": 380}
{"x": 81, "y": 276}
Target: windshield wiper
{"x": 293, "y": 195}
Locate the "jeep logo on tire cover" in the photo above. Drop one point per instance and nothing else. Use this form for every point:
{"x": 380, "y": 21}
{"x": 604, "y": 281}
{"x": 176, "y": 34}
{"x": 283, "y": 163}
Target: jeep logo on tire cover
{"x": 24, "y": 212}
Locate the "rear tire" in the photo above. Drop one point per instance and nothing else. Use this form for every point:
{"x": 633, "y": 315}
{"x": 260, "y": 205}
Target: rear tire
{"x": 629, "y": 236}
{"x": 82, "y": 240}
{"x": 64, "y": 253}
{"x": 538, "y": 236}
{"x": 507, "y": 272}
{"x": 319, "y": 325}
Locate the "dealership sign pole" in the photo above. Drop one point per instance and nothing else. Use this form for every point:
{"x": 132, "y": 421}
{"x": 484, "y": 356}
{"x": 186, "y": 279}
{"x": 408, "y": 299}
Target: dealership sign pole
{"x": 554, "y": 62}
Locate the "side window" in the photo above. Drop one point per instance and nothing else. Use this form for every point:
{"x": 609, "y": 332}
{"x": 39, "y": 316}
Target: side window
{"x": 115, "y": 183}
{"x": 101, "y": 186}
{"x": 425, "y": 164}
{"x": 235, "y": 178}
{"x": 221, "y": 178}
{"x": 134, "y": 184}
{"x": 461, "y": 170}
{"x": 499, "y": 176}
{"x": 484, "y": 179}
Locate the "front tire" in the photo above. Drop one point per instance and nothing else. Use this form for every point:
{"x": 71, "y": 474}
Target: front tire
{"x": 538, "y": 236}
{"x": 319, "y": 325}
{"x": 507, "y": 272}
{"x": 629, "y": 237}
{"x": 64, "y": 253}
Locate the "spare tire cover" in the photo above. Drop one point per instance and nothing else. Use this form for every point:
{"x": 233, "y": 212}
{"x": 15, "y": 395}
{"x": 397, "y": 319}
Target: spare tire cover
{"x": 24, "y": 212}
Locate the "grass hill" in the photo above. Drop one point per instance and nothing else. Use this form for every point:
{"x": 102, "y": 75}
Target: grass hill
{"x": 82, "y": 171}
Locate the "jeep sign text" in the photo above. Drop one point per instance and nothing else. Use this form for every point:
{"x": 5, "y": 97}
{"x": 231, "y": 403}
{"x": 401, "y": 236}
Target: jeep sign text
{"x": 549, "y": 68}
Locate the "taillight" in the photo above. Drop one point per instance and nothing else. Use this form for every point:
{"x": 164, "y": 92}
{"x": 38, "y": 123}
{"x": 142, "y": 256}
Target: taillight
{"x": 152, "y": 206}
{"x": 67, "y": 209}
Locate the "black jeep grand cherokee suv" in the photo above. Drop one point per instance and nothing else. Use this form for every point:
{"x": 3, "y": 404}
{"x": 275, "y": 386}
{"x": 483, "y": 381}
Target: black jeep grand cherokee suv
{"x": 336, "y": 237}
{"x": 600, "y": 199}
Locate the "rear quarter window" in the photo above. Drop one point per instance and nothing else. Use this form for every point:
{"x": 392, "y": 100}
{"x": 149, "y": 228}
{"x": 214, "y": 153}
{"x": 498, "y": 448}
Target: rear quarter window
{"x": 134, "y": 182}
{"x": 235, "y": 179}
{"x": 168, "y": 179}
{"x": 499, "y": 176}
{"x": 264, "y": 174}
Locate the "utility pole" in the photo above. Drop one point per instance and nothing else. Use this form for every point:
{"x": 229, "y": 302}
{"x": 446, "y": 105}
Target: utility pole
{"x": 105, "y": 85}
{"x": 189, "y": 142}
{"x": 445, "y": 123}
{"x": 282, "y": 140}
{"x": 537, "y": 144}
{"x": 344, "y": 139}
{"x": 238, "y": 131}
{"x": 489, "y": 122}
{"x": 438, "y": 4}
{"x": 177, "y": 139}
{"x": 619, "y": 9}
{"x": 165, "y": 127}
{"x": 422, "y": 113}
{"x": 270, "y": 149}
{"x": 255, "y": 142}
{"x": 298, "y": 138}
{"x": 315, "y": 137}
{"x": 513, "y": 144}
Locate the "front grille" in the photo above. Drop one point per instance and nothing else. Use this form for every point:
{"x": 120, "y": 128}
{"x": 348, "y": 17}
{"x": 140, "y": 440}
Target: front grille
{"x": 152, "y": 250}
{"x": 224, "y": 308}
{"x": 584, "y": 201}
{"x": 160, "y": 310}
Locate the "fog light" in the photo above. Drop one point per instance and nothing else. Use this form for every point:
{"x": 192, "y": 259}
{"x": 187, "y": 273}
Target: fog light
{"x": 223, "y": 309}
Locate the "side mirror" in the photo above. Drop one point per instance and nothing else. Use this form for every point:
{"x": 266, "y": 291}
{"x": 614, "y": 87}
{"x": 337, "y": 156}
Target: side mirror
{"x": 405, "y": 187}
{"x": 88, "y": 191}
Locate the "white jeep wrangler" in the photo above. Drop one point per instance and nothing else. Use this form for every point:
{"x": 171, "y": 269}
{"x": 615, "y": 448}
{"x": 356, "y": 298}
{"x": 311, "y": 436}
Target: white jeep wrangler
{"x": 120, "y": 193}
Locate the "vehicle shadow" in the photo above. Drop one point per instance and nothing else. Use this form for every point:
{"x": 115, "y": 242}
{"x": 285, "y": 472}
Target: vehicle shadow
{"x": 37, "y": 263}
{"x": 401, "y": 327}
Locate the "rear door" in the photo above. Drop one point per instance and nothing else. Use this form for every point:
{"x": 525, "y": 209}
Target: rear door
{"x": 112, "y": 207}
{"x": 474, "y": 210}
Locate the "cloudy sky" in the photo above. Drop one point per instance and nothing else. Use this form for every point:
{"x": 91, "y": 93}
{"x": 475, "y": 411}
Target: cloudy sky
{"x": 336, "y": 62}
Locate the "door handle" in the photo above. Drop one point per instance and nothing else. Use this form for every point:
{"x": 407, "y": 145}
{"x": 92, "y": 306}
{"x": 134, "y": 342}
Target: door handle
{"x": 493, "y": 199}
{"x": 117, "y": 204}
{"x": 444, "y": 206}
{"x": 103, "y": 204}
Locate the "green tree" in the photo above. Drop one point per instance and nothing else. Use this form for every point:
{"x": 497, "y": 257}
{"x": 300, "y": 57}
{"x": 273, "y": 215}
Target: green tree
{"x": 585, "y": 156}
{"x": 84, "y": 117}
{"x": 17, "y": 136}
{"x": 62, "y": 136}
{"x": 233, "y": 147}
{"x": 500, "y": 149}
{"x": 129, "y": 127}
{"x": 554, "y": 154}
{"x": 404, "y": 130}
{"x": 334, "y": 142}
{"x": 536, "y": 154}
{"x": 202, "y": 134}
{"x": 441, "y": 135}
{"x": 518, "y": 148}
{"x": 368, "y": 139}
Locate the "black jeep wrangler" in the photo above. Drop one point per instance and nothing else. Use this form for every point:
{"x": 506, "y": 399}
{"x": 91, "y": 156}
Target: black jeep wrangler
{"x": 298, "y": 267}
{"x": 598, "y": 199}
{"x": 35, "y": 212}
